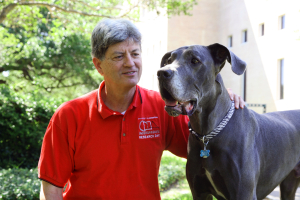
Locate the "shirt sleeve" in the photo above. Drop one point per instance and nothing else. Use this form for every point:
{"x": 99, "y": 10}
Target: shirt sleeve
{"x": 177, "y": 135}
{"x": 56, "y": 158}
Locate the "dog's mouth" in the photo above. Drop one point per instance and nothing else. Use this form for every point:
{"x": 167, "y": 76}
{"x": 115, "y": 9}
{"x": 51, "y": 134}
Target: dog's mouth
{"x": 176, "y": 107}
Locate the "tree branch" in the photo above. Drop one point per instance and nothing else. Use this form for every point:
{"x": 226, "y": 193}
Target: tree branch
{"x": 6, "y": 10}
{"x": 93, "y": 8}
{"x": 129, "y": 10}
{"x": 64, "y": 86}
{"x": 2, "y": 82}
{"x": 51, "y": 7}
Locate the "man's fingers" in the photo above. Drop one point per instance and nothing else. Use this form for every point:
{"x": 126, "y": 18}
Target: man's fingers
{"x": 242, "y": 102}
{"x": 231, "y": 95}
{"x": 237, "y": 100}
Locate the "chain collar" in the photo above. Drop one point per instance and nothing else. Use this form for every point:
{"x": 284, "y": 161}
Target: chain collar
{"x": 205, "y": 138}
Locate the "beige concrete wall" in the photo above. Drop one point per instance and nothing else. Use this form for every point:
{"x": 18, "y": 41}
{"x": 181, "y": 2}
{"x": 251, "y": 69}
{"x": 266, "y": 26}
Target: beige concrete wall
{"x": 154, "y": 46}
{"x": 214, "y": 20}
{"x": 200, "y": 28}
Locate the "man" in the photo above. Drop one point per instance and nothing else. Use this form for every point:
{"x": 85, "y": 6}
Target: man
{"x": 108, "y": 143}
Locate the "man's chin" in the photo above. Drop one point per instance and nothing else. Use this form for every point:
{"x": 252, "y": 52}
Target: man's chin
{"x": 129, "y": 83}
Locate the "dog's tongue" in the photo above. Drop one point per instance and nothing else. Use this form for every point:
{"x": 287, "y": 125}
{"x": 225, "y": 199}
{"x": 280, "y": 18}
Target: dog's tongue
{"x": 170, "y": 103}
{"x": 188, "y": 106}
{"x": 175, "y": 109}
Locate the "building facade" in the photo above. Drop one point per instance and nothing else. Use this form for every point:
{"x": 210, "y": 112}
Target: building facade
{"x": 264, "y": 33}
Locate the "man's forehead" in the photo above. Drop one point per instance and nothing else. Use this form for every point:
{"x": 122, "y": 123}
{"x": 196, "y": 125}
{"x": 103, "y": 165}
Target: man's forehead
{"x": 124, "y": 46}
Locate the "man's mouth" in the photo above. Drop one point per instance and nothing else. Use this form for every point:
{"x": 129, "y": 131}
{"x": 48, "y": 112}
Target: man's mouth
{"x": 129, "y": 73}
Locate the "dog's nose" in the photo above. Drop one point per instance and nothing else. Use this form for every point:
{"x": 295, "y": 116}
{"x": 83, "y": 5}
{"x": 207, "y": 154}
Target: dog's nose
{"x": 164, "y": 73}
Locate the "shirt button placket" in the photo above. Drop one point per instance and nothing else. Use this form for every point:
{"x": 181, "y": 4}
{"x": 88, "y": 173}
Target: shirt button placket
{"x": 124, "y": 138}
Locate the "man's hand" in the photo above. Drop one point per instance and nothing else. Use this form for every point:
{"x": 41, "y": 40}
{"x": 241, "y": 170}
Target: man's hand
{"x": 50, "y": 192}
{"x": 238, "y": 101}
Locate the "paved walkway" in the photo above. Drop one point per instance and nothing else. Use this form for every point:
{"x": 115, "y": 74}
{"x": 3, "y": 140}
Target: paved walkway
{"x": 183, "y": 189}
{"x": 275, "y": 194}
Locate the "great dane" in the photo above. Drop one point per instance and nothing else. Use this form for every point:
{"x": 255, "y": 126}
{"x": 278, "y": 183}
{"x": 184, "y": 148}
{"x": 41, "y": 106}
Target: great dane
{"x": 232, "y": 154}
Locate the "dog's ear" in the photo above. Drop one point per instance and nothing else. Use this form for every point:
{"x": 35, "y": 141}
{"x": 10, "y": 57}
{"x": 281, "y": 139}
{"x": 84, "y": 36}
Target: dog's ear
{"x": 164, "y": 60}
{"x": 220, "y": 54}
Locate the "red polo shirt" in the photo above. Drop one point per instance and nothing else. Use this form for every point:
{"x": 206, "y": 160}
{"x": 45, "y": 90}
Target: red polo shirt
{"x": 103, "y": 154}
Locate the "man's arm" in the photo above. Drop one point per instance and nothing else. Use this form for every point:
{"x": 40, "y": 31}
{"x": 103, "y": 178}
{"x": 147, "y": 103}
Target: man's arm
{"x": 50, "y": 192}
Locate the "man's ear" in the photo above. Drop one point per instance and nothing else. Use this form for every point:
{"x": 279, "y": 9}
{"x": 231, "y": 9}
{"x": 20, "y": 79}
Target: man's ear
{"x": 97, "y": 64}
{"x": 220, "y": 54}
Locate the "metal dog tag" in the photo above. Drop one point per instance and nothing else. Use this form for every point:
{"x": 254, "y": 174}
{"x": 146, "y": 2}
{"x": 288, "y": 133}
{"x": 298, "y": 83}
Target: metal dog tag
{"x": 204, "y": 153}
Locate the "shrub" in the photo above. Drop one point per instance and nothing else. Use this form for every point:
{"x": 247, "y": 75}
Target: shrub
{"x": 19, "y": 184}
{"x": 23, "y": 121}
{"x": 24, "y": 183}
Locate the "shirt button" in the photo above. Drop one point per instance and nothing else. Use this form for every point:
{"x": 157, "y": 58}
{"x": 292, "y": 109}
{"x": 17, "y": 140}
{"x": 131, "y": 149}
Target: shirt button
{"x": 124, "y": 134}
{"x": 124, "y": 119}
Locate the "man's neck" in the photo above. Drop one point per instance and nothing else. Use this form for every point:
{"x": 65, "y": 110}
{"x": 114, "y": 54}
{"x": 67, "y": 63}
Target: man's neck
{"x": 117, "y": 99}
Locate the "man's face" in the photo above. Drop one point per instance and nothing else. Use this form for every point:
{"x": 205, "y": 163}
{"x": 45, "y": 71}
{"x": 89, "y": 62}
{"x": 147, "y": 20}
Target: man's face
{"x": 122, "y": 65}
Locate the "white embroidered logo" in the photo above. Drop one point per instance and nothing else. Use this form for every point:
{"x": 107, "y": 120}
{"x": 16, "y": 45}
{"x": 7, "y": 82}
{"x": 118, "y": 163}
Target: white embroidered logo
{"x": 145, "y": 125}
{"x": 149, "y": 127}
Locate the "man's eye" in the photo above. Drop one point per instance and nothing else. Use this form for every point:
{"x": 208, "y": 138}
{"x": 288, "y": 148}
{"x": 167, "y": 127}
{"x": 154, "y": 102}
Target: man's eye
{"x": 136, "y": 54}
{"x": 118, "y": 57}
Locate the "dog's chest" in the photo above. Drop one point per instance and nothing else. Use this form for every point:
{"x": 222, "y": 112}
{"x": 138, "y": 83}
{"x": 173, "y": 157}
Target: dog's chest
{"x": 209, "y": 177}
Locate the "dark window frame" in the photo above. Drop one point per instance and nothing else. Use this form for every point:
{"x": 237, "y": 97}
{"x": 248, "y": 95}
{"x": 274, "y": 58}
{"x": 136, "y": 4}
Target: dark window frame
{"x": 245, "y": 86}
{"x": 262, "y": 29}
{"x": 282, "y": 22}
{"x": 281, "y": 77}
{"x": 230, "y": 44}
{"x": 245, "y": 36}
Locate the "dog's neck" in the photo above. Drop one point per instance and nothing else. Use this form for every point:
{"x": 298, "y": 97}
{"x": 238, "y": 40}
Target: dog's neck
{"x": 211, "y": 112}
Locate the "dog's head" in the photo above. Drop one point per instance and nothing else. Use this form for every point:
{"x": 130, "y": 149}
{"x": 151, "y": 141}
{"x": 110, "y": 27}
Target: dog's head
{"x": 187, "y": 75}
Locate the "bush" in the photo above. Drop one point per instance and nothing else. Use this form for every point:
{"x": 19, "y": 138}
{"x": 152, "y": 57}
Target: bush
{"x": 23, "y": 121}
{"x": 24, "y": 183}
{"x": 172, "y": 169}
{"x": 19, "y": 184}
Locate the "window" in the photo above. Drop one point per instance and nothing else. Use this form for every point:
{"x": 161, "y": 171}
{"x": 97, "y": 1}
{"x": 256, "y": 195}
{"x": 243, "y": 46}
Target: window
{"x": 245, "y": 86}
{"x": 262, "y": 29}
{"x": 281, "y": 22}
{"x": 281, "y": 78}
{"x": 244, "y": 36}
{"x": 230, "y": 41}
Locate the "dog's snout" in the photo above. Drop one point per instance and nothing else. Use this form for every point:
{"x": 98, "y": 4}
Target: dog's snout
{"x": 165, "y": 73}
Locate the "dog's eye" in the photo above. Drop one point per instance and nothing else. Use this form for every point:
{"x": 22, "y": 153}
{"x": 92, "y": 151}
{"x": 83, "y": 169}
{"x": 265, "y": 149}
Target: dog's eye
{"x": 194, "y": 61}
{"x": 169, "y": 61}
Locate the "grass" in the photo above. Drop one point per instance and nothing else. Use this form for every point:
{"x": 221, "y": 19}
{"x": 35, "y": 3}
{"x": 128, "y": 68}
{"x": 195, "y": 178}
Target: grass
{"x": 173, "y": 183}
{"x": 172, "y": 169}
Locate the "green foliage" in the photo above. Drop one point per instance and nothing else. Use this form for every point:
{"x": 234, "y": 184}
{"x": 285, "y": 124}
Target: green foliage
{"x": 172, "y": 169}
{"x": 23, "y": 121}
{"x": 45, "y": 56}
{"x": 46, "y": 43}
{"x": 19, "y": 184}
{"x": 178, "y": 196}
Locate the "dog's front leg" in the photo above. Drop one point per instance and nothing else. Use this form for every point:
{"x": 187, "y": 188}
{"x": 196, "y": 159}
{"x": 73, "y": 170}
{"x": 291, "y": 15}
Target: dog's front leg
{"x": 199, "y": 185}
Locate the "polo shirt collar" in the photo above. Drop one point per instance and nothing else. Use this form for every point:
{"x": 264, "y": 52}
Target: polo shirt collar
{"x": 106, "y": 112}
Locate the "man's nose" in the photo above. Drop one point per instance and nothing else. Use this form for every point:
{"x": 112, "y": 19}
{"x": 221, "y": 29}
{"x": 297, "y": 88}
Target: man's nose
{"x": 129, "y": 61}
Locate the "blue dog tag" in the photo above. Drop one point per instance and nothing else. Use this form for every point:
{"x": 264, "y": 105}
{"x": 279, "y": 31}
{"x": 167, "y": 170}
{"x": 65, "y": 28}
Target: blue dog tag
{"x": 204, "y": 153}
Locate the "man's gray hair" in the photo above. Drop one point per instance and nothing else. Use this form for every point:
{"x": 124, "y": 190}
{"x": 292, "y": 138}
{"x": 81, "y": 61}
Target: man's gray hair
{"x": 111, "y": 31}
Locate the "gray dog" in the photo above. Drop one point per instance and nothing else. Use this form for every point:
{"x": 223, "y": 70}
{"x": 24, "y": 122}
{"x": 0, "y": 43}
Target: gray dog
{"x": 232, "y": 154}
